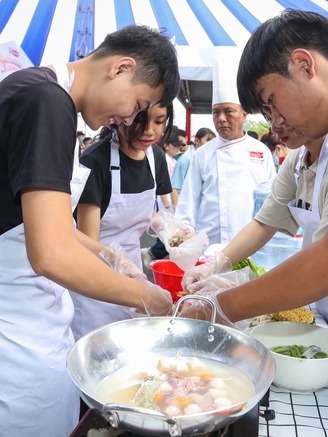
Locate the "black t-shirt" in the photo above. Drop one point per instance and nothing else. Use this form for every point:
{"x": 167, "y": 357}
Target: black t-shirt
{"x": 136, "y": 175}
{"x": 38, "y": 124}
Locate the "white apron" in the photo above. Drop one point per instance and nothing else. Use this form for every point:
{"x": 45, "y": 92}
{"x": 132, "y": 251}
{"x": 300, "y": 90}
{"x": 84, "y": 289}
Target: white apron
{"x": 79, "y": 177}
{"x": 310, "y": 220}
{"x": 125, "y": 220}
{"x": 37, "y": 396}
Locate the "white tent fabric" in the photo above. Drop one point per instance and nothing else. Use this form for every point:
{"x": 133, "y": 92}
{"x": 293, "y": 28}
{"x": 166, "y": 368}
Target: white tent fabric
{"x": 47, "y": 29}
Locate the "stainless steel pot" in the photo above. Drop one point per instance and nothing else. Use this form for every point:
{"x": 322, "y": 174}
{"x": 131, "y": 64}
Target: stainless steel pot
{"x": 111, "y": 347}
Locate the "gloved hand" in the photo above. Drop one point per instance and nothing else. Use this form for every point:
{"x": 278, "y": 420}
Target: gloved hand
{"x": 156, "y": 224}
{"x": 219, "y": 263}
{"x": 118, "y": 260}
{"x": 157, "y": 301}
{"x": 222, "y": 281}
{"x": 201, "y": 310}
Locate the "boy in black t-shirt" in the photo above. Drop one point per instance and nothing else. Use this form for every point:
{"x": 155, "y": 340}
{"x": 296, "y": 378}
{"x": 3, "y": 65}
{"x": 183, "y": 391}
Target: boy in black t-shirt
{"x": 41, "y": 253}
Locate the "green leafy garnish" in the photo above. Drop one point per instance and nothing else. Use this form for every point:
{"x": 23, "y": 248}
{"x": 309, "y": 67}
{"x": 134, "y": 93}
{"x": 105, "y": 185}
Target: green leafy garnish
{"x": 247, "y": 262}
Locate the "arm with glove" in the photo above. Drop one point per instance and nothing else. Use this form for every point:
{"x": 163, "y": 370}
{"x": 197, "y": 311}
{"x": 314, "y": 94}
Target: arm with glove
{"x": 192, "y": 279}
{"x": 248, "y": 241}
{"x": 155, "y": 300}
{"x": 211, "y": 287}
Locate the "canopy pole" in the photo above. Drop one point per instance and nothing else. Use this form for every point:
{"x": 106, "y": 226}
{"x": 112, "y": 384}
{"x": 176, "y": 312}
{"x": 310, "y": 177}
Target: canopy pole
{"x": 188, "y": 122}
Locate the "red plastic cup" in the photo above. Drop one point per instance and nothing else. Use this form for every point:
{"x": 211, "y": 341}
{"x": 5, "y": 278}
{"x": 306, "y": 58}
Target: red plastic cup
{"x": 169, "y": 276}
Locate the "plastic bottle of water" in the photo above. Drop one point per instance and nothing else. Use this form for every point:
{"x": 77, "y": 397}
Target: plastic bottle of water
{"x": 281, "y": 246}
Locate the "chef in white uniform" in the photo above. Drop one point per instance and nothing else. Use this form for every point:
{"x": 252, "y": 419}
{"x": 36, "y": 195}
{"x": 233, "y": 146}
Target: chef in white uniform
{"x": 217, "y": 194}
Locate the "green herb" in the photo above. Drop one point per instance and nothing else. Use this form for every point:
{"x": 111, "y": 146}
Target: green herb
{"x": 296, "y": 351}
{"x": 247, "y": 262}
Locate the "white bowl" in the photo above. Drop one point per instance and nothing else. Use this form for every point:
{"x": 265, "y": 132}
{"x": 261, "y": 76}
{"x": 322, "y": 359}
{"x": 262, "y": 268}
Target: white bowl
{"x": 297, "y": 375}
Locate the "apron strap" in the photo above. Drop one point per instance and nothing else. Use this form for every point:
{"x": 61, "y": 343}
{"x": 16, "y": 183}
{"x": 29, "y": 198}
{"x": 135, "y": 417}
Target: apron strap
{"x": 151, "y": 160}
{"x": 114, "y": 165}
{"x": 65, "y": 80}
{"x": 299, "y": 165}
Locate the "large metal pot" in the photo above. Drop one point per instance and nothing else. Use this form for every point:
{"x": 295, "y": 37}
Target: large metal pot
{"x": 111, "y": 347}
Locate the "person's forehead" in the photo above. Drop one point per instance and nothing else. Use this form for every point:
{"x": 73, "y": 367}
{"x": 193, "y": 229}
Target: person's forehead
{"x": 270, "y": 83}
{"x": 225, "y": 105}
{"x": 148, "y": 96}
{"x": 157, "y": 111}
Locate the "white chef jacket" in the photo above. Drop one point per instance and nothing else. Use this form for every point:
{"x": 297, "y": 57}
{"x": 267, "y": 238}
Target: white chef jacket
{"x": 217, "y": 194}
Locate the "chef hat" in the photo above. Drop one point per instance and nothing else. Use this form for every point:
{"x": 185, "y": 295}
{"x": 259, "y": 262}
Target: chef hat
{"x": 225, "y": 67}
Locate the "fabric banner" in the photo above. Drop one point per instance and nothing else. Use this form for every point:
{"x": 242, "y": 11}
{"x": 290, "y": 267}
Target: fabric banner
{"x": 12, "y": 58}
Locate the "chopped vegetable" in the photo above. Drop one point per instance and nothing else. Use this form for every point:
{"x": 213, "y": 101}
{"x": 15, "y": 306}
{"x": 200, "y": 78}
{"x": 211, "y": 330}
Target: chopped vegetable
{"x": 182, "y": 402}
{"x": 296, "y": 351}
{"x": 158, "y": 397}
{"x": 248, "y": 262}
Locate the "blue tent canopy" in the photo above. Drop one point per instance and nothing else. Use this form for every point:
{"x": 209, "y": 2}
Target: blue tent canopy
{"x": 62, "y": 30}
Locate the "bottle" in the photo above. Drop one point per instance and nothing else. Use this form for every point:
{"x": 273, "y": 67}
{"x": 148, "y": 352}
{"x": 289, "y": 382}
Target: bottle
{"x": 281, "y": 246}
{"x": 260, "y": 194}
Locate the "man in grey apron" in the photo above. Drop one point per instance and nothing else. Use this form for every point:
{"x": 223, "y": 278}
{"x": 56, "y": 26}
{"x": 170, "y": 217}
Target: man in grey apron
{"x": 283, "y": 70}
{"x": 298, "y": 199}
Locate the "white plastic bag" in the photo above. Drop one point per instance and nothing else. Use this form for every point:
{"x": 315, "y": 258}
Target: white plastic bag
{"x": 180, "y": 239}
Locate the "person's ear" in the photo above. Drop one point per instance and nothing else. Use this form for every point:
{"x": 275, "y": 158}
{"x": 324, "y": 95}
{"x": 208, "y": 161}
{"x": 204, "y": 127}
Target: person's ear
{"x": 278, "y": 149}
{"x": 122, "y": 65}
{"x": 302, "y": 60}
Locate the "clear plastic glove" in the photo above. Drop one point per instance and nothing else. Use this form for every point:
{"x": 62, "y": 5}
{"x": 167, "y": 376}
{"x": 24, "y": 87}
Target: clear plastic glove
{"x": 156, "y": 224}
{"x": 115, "y": 256}
{"x": 157, "y": 301}
{"x": 222, "y": 281}
{"x": 201, "y": 310}
{"x": 219, "y": 263}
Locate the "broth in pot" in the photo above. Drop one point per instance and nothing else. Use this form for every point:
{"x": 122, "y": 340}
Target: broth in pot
{"x": 176, "y": 385}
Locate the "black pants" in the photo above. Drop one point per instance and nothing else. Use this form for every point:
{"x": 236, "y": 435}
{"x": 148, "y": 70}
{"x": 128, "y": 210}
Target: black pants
{"x": 158, "y": 250}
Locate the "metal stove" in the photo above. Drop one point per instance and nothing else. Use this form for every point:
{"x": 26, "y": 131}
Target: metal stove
{"x": 94, "y": 425}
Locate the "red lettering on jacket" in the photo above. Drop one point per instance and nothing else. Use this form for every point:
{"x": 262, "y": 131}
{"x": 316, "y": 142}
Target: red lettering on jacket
{"x": 256, "y": 154}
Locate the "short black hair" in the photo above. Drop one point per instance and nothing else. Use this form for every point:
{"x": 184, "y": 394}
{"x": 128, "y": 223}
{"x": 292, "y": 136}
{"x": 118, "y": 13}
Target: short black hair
{"x": 271, "y": 141}
{"x": 79, "y": 133}
{"x": 204, "y": 131}
{"x": 253, "y": 134}
{"x": 269, "y": 48}
{"x": 86, "y": 139}
{"x": 138, "y": 126}
{"x": 182, "y": 133}
{"x": 155, "y": 54}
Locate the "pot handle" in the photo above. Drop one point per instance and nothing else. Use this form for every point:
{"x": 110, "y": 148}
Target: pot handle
{"x": 114, "y": 420}
{"x": 195, "y": 296}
